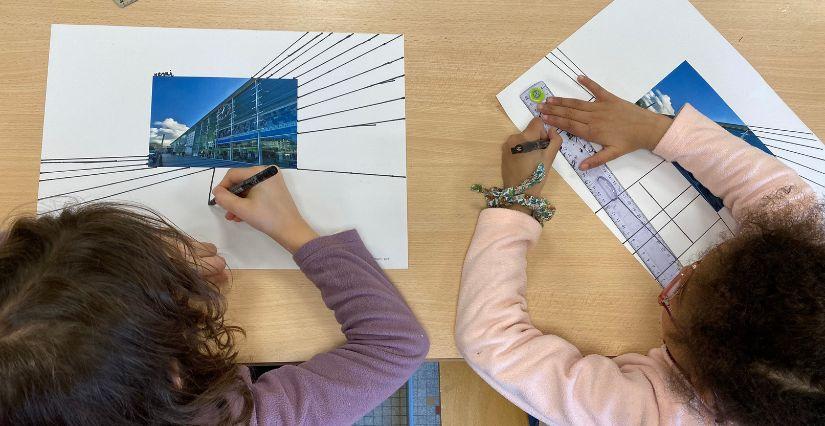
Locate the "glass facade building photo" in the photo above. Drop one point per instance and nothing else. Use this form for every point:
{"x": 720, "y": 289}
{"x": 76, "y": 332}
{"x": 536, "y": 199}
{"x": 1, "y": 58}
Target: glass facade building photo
{"x": 255, "y": 125}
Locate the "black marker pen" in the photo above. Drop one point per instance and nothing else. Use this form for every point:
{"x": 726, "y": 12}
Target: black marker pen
{"x": 529, "y": 146}
{"x": 247, "y": 184}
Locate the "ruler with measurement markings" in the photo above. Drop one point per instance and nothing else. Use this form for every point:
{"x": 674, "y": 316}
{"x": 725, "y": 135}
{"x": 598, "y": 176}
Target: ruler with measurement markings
{"x": 613, "y": 198}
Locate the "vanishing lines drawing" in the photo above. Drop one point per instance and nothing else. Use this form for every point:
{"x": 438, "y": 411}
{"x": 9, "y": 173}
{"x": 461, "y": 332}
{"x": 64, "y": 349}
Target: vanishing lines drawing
{"x": 315, "y": 61}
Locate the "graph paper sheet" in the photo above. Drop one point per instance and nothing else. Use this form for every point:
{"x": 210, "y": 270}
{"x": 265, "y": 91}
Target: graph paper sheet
{"x": 661, "y": 55}
{"x": 344, "y": 148}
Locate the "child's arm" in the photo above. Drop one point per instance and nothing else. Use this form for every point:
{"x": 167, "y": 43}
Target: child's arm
{"x": 544, "y": 375}
{"x": 385, "y": 343}
{"x": 728, "y": 166}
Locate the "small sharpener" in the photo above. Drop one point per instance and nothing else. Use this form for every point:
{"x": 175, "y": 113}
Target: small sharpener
{"x": 537, "y": 93}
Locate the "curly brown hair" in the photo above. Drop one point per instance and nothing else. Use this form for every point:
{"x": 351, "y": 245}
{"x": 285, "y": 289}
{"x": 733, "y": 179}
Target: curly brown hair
{"x": 101, "y": 309}
{"x": 757, "y": 331}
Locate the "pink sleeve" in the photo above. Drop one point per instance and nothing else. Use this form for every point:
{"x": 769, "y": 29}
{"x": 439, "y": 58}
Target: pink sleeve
{"x": 544, "y": 375}
{"x": 729, "y": 167}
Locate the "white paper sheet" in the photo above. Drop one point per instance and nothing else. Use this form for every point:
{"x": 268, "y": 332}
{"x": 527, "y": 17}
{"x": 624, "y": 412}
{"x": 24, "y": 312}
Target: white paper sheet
{"x": 98, "y": 102}
{"x": 629, "y": 47}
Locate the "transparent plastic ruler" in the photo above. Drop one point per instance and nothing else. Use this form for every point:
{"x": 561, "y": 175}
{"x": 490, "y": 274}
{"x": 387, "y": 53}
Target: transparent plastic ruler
{"x": 614, "y": 200}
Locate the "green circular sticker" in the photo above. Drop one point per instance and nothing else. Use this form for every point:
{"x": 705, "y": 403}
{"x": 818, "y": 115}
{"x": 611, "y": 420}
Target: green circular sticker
{"x": 536, "y": 94}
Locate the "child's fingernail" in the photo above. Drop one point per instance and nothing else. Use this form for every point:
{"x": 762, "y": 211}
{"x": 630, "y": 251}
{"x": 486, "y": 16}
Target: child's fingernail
{"x": 552, "y": 100}
{"x": 584, "y": 166}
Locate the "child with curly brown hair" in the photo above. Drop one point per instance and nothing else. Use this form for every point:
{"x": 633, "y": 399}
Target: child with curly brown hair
{"x": 110, "y": 315}
{"x": 743, "y": 328}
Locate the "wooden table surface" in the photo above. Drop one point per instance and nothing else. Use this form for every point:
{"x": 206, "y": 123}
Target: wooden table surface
{"x": 584, "y": 285}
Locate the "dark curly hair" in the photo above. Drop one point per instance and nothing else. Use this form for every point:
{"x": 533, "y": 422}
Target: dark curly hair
{"x": 757, "y": 329}
{"x": 101, "y": 309}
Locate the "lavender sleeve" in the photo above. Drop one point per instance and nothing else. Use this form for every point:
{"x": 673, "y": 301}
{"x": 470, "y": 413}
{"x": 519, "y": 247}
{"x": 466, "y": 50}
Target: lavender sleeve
{"x": 385, "y": 343}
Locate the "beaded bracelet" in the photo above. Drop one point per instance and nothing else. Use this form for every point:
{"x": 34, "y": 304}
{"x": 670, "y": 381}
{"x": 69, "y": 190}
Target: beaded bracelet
{"x": 505, "y": 197}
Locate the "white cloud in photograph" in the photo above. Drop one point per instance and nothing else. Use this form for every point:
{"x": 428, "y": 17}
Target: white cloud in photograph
{"x": 658, "y": 102}
{"x": 169, "y": 128}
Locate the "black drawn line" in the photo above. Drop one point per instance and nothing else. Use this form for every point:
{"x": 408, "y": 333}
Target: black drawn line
{"x": 670, "y": 219}
{"x": 290, "y": 54}
{"x": 571, "y": 61}
{"x": 567, "y": 66}
{"x": 122, "y": 192}
{"x": 359, "y": 56}
{"x": 592, "y": 96}
{"x": 629, "y": 186}
{"x": 139, "y": 160}
{"x": 211, "y": 185}
{"x": 279, "y": 55}
{"x": 813, "y": 182}
{"x": 353, "y": 125}
{"x": 351, "y": 173}
{"x": 389, "y": 80}
{"x": 779, "y": 130}
{"x": 351, "y": 109}
{"x": 43, "y": 160}
{"x": 299, "y": 55}
{"x": 351, "y": 77}
{"x": 668, "y": 214}
{"x": 790, "y": 143}
{"x": 795, "y": 152}
{"x": 787, "y": 136}
{"x": 800, "y": 164}
{"x": 96, "y": 174}
{"x": 318, "y": 54}
{"x": 86, "y": 169}
{"x": 110, "y": 184}
{"x": 688, "y": 248}
{"x": 336, "y": 56}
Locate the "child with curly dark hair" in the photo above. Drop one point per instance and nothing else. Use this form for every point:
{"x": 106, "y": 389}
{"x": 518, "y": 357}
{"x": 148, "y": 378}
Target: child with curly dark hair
{"x": 744, "y": 327}
{"x": 110, "y": 315}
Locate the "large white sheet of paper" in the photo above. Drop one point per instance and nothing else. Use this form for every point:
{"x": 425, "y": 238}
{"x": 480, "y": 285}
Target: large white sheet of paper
{"x": 663, "y": 53}
{"x": 351, "y": 154}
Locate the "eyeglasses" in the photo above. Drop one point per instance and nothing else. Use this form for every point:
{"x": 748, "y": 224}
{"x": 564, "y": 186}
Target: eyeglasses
{"x": 675, "y": 287}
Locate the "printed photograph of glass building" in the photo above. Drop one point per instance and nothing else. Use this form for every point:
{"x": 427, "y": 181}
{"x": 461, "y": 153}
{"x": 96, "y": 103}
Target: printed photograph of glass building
{"x": 685, "y": 85}
{"x": 223, "y": 122}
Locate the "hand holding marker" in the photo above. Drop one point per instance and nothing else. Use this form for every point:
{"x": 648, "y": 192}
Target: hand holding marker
{"x": 268, "y": 207}
{"x": 247, "y": 184}
{"x": 536, "y": 95}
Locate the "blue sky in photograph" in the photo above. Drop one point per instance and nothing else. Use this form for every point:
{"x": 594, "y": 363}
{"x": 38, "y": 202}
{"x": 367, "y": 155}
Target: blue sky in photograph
{"x": 187, "y": 99}
{"x": 685, "y": 85}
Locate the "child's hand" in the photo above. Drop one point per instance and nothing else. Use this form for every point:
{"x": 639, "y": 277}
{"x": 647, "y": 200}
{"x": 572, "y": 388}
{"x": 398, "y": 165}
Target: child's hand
{"x": 209, "y": 263}
{"x": 515, "y": 168}
{"x": 268, "y": 208}
{"x": 619, "y": 126}
{"x": 203, "y": 257}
